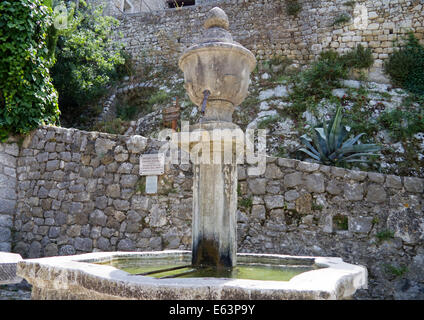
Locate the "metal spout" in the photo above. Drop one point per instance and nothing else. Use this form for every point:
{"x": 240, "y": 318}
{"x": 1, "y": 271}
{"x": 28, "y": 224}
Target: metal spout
{"x": 206, "y": 94}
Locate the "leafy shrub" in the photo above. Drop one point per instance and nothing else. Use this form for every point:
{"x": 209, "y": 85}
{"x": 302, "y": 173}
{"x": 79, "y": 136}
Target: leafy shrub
{"x": 350, "y": 3}
{"x": 403, "y": 124}
{"x": 27, "y": 96}
{"x": 159, "y": 97}
{"x": 268, "y": 121}
{"x": 358, "y": 58}
{"x": 405, "y": 66}
{"x": 114, "y": 126}
{"x": 293, "y": 7}
{"x": 126, "y": 112}
{"x": 341, "y": 19}
{"x": 328, "y": 146}
{"x": 323, "y": 74}
{"x": 87, "y": 62}
{"x": 385, "y": 235}
{"x": 395, "y": 271}
{"x": 316, "y": 82}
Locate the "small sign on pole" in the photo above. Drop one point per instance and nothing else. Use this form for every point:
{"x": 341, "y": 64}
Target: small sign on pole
{"x": 171, "y": 115}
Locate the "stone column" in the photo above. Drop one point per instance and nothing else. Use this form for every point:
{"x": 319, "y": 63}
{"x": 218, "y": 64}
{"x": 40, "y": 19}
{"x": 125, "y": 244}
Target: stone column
{"x": 214, "y": 221}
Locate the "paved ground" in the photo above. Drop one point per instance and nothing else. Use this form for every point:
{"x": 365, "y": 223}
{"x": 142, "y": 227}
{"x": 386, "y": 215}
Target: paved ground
{"x": 20, "y": 291}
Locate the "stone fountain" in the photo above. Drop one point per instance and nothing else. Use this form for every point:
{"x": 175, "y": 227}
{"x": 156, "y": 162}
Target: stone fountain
{"x": 216, "y": 72}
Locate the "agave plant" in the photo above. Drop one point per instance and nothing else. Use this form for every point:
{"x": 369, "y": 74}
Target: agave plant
{"x": 327, "y": 145}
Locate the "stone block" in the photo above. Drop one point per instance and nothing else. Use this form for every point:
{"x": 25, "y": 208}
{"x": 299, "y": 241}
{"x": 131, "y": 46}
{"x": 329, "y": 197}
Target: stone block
{"x": 315, "y": 183}
{"x": 257, "y": 186}
{"x": 307, "y": 166}
{"x": 288, "y": 163}
{"x": 97, "y": 218}
{"x": 7, "y": 160}
{"x": 102, "y": 146}
{"x": 113, "y": 191}
{"x": 258, "y": 212}
{"x": 413, "y": 184}
{"x": 52, "y": 165}
{"x": 333, "y": 187}
{"x": 393, "y": 181}
{"x": 293, "y": 179}
{"x": 5, "y": 234}
{"x": 83, "y": 244}
{"x": 291, "y": 195}
{"x": 353, "y": 192}
{"x": 67, "y": 250}
{"x": 376, "y": 177}
{"x": 7, "y": 206}
{"x": 273, "y": 202}
{"x": 304, "y": 204}
{"x": 376, "y": 193}
{"x": 136, "y": 144}
{"x": 407, "y": 225}
{"x": 360, "y": 224}
{"x": 273, "y": 171}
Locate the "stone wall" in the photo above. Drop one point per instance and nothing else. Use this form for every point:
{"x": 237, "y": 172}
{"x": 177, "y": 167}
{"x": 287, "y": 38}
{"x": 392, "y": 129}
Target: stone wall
{"x": 80, "y": 192}
{"x": 8, "y": 154}
{"x": 265, "y": 28}
{"x": 376, "y": 220}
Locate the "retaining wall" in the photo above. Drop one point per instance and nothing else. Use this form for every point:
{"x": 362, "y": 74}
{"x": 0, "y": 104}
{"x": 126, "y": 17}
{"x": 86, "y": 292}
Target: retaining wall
{"x": 80, "y": 191}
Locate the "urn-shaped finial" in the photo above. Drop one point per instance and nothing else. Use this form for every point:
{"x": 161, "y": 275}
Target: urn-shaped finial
{"x": 216, "y": 17}
{"x": 217, "y": 65}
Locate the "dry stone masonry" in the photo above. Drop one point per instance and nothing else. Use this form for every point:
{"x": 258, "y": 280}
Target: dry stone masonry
{"x": 266, "y": 29}
{"x": 67, "y": 191}
{"x": 8, "y": 161}
{"x": 81, "y": 192}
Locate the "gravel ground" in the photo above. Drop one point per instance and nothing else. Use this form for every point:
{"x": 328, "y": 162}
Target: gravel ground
{"x": 19, "y": 291}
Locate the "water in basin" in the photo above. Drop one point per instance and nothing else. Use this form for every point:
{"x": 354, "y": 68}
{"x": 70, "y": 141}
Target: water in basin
{"x": 171, "y": 269}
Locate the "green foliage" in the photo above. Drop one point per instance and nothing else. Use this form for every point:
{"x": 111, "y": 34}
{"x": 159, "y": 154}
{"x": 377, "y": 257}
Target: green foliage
{"x": 327, "y": 144}
{"x": 316, "y": 82}
{"x": 316, "y": 206}
{"x": 87, "y": 62}
{"x": 341, "y": 19}
{"x": 27, "y": 96}
{"x": 325, "y": 73}
{"x": 245, "y": 203}
{"x": 340, "y": 222}
{"x": 385, "y": 235}
{"x": 293, "y": 7}
{"x": 114, "y": 126}
{"x": 358, "y": 58}
{"x": 350, "y": 3}
{"x": 126, "y": 112}
{"x": 405, "y": 66}
{"x": 395, "y": 271}
{"x": 403, "y": 124}
{"x": 159, "y": 97}
{"x": 268, "y": 121}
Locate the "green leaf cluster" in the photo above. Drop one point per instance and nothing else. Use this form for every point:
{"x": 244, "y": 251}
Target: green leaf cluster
{"x": 328, "y": 145}
{"x": 87, "y": 62}
{"x": 28, "y": 98}
{"x": 405, "y": 66}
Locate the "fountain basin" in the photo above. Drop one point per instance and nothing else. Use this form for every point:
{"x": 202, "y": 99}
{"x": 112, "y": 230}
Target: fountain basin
{"x": 82, "y": 277}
